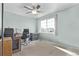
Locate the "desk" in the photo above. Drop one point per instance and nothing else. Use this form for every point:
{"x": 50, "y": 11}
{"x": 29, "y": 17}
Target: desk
{"x": 18, "y": 41}
{"x": 34, "y": 36}
{"x": 0, "y": 47}
{"x": 7, "y": 46}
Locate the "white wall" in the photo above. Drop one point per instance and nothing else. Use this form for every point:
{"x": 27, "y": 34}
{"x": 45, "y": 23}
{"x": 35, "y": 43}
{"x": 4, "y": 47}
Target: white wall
{"x": 67, "y": 27}
{"x": 17, "y": 21}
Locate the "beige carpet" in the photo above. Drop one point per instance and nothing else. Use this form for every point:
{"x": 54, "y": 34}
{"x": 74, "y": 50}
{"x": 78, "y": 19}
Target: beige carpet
{"x": 40, "y": 48}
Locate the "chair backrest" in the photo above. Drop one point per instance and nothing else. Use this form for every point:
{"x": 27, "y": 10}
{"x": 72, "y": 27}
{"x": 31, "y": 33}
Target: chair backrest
{"x": 8, "y": 32}
{"x": 25, "y": 32}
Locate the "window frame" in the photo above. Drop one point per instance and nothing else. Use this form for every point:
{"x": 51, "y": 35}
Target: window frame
{"x": 55, "y": 24}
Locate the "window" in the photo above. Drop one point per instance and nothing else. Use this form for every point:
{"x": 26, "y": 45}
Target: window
{"x": 43, "y": 24}
{"x": 48, "y": 25}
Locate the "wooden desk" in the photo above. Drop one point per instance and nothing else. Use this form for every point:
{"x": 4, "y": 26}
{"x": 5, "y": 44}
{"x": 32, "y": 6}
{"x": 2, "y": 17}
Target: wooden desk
{"x": 0, "y": 47}
{"x": 7, "y": 46}
{"x": 18, "y": 41}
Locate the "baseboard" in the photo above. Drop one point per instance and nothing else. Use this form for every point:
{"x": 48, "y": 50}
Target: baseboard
{"x": 60, "y": 44}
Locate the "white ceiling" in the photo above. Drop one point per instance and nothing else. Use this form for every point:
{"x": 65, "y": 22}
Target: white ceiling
{"x": 46, "y": 8}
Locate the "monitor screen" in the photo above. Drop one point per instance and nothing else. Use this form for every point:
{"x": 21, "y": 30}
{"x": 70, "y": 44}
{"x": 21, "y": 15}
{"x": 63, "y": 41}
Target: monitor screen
{"x": 8, "y": 32}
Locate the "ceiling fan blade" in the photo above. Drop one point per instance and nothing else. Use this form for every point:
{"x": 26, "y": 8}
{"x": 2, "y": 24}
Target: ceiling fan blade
{"x": 33, "y": 6}
{"x": 38, "y": 6}
{"x": 28, "y": 12}
{"x": 28, "y": 8}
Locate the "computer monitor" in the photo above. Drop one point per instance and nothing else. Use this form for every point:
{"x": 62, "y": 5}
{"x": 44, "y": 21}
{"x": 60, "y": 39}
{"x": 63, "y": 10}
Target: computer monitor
{"x": 8, "y": 32}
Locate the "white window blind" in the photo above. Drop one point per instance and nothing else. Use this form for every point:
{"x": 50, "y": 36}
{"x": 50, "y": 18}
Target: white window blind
{"x": 43, "y": 24}
{"x": 48, "y": 25}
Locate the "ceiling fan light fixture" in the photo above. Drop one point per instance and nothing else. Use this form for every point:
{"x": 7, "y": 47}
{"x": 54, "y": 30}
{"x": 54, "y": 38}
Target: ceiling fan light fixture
{"x": 34, "y": 12}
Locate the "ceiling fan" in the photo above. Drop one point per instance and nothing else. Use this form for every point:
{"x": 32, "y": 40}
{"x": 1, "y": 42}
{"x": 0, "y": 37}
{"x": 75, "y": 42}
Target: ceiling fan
{"x": 34, "y": 9}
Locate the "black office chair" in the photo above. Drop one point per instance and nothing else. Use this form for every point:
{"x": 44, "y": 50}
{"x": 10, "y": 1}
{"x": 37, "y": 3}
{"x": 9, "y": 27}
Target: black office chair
{"x": 31, "y": 37}
{"x": 25, "y": 35}
{"x": 9, "y": 32}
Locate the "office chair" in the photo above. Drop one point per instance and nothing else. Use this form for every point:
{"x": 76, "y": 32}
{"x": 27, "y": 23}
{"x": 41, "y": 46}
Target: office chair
{"x": 31, "y": 37}
{"x": 25, "y": 36}
{"x": 9, "y": 32}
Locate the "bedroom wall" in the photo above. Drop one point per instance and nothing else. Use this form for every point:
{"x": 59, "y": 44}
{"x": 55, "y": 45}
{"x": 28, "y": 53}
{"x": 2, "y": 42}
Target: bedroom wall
{"x": 67, "y": 27}
{"x": 12, "y": 20}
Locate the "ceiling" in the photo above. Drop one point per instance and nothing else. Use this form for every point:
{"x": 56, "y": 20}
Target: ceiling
{"x": 46, "y": 8}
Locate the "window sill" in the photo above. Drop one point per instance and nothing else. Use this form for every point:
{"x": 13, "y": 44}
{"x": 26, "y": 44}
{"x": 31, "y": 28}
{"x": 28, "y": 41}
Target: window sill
{"x": 47, "y": 32}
